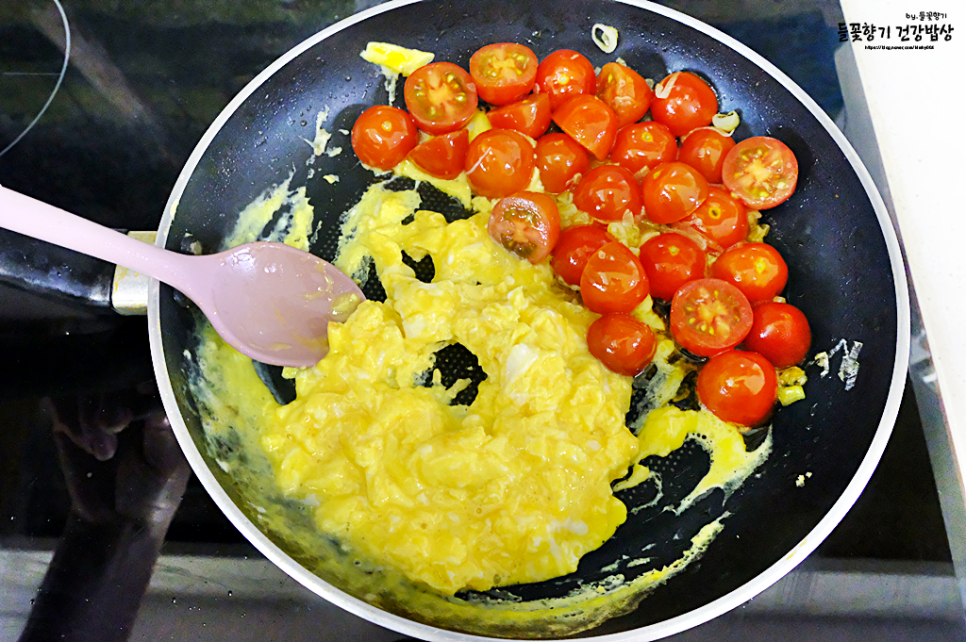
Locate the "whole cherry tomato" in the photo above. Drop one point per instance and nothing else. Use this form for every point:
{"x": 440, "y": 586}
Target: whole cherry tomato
{"x": 739, "y": 387}
{"x": 709, "y": 316}
{"x": 642, "y": 147}
{"x": 530, "y": 116}
{"x": 672, "y": 191}
{"x": 499, "y": 162}
{"x": 607, "y": 193}
{"x": 683, "y": 102}
{"x": 589, "y": 122}
{"x": 780, "y": 333}
{"x": 757, "y": 269}
{"x": 761, "y": 172}
{"x": 560, "y": 160}
{"x": 441, "y": 97}
{"x": 382, "y": 136}
{"x": 442, "y": 156}
{"x": 613, "y": 280}
{"x": 622, "y": 343}
{"x": 565, "y": 74}
{"x": 625, "y": 91}
{"x": 574, "y": 247}
{"x": 721, "y": 219}
{"x": 503, "y": 72}
{"x": 527, "y": 224}
{"x": 671, "y": 260}
{"x": 705, "y": 149}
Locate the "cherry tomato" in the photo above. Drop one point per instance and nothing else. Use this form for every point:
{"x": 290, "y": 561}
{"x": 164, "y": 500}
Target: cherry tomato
{"x": 761, "y": 172}
{"x": 757, "y": 269}
{"x": 613, "y": 280}
{"x": 530, "y": 116}
{"x": 780, "y": 333}
{"x": 607, "y": 192}
{"x": 504, "y": 72}
{"x": 625, "y": 91}
{"x": 441, "y": 97}
{"x": 709, "y": 316}
{"x": 442, "y": 156}
{"x": 671, "y": 260}
{"x": 574, "y": 247}
{"x": 739, "y": 387}
{"x": 565, "y": 74}
{"x": 589, "y": 122}
{"x": 382, "y": 136}
{"x": 704, "y": 149}
{"x": 672, "y": 191}
{"x": 561, "y": 160}
{"x": 499, "y": 162}
{"x": 622, "y": 343}
{"x": 527, "y": 224}
{"x": 720, "y": 219}
{"x": 642, "y": 147}
{"x": 683, "y": 102}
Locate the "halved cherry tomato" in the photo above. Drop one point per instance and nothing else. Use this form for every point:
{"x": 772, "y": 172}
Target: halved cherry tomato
{"x": 625, "y": 91}
{"x": 589, "y": 122}
{"x": 705, "y": 149}
{"x": 709, "y": 316}
{"x": 780, "y": 333}
{"x": 607, "y": 192}
{"x": 720, "y": 219}
{"x": 622, "y": 343}
{"x": 530, "y": 116}
{"x": 672, "y": 191}
{"x": 441, "y": 97}
{"x": 757, "y": 269}
{"x": 560, "y": 160}
{"x": 442, "y": 156}
{"x": 527, "y": 224}
{"x": 499, "y": 162}
{"x": 613, "y": 280}
{"x": 382, "y": 136}
{"x": 761, "y": 172}
{"x": 503, "y": 72}
{"x": 574, "y": 247}
{"x": 565, "y": 74}
{"x": 683, "y": 102}
{"x": 642, "y": 147}
{"x": 671, "y": 260}
{"x": 739, "y": 387}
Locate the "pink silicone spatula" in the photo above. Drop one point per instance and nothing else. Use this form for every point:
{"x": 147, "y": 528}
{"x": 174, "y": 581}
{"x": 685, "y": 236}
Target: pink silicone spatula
{"x": 269, "y": 301}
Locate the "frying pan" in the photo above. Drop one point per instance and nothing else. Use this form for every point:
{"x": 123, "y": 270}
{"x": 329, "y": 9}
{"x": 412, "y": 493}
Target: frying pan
{"x": 845, "y": 274}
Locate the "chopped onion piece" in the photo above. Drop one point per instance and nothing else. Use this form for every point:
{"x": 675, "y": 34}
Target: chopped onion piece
{"x": 604, "y": 37}
{"x": 726, "y": 122}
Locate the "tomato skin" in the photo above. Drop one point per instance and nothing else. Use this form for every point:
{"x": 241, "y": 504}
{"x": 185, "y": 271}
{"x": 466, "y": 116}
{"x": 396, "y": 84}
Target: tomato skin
{"x": 671, "y": 260}
{"x": 761, "y": 172}
{"x": 720, "y": 219}
{"x": 739, "y": 387}
{"x": 561, "y": 160}
{"x": 709, "y": 316}
{"x": 527, "y": 224}
{"x": 499, "y": 162}
{"x": 672, "y": 191}
{"x": 442, "y": 156}
{"x": 589, "y": 122}
{"x": 689, "y": 103}
{"x": 565, "y": 74}
{"x": 757, "y": 269}
{"x": 574, "y": 247}
{"x": 503, "y": 72}
{"x": 607, "y": 192}
{"x": 440, "y": 116}
{"x": 642, "y": 147}
{"x": 780, "y": 333}
{"x": 382, "y": 136}
{"x": 625, "y": 91}
{"x": 613, "y": 280}
{"x": 622, "y": 343}
{"x": 705, "y": 150}
{"x": 530, "y": 116}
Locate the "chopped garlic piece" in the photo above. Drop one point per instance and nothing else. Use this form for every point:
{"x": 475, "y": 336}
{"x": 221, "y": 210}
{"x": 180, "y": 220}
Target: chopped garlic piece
{"x": 726, "y": 122}
{"x": 605, "y": 37}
